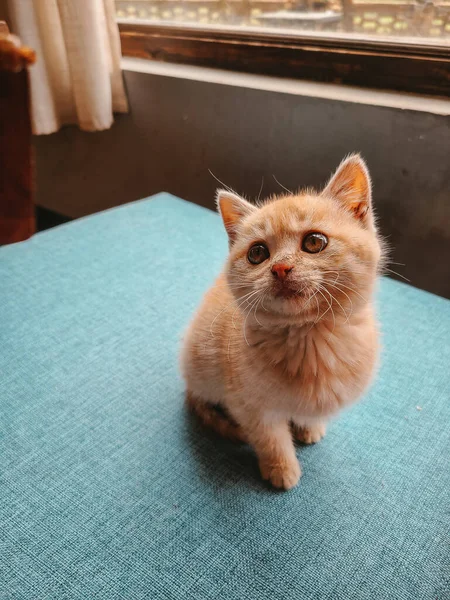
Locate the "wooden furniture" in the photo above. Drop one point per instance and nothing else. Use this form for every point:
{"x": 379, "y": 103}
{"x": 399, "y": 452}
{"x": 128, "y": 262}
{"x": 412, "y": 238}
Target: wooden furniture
{"x": 17, "y": 221}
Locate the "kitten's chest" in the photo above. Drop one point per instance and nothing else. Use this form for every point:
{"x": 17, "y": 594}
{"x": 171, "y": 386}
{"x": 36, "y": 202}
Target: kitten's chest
{"x": 317, "y": 371}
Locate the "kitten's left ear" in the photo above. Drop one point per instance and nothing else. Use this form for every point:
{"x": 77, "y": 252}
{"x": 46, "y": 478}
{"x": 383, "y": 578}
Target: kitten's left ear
{"x": 351, "y": 185}
{"x": 232, "y": 209}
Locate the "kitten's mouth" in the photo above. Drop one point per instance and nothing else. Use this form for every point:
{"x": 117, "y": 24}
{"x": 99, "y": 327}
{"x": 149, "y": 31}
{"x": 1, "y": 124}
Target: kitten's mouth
{"x": 288, "y": 293}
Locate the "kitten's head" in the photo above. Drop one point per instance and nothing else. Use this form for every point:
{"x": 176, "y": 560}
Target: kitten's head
{"x": 308, "y": 254}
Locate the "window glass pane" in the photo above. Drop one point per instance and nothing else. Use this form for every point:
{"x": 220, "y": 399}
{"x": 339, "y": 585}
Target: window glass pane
{"x": 425, "y": 19}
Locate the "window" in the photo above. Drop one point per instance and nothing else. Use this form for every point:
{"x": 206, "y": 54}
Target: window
{"x": 393, "y": 44}
{"x": 370, "y": 18}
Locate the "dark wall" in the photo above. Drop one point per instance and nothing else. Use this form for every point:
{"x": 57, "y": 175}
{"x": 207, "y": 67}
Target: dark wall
{"x": 178, "y": 129}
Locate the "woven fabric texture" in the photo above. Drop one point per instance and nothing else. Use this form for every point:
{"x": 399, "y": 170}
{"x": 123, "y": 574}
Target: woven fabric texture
{"x": 109, "y": 490}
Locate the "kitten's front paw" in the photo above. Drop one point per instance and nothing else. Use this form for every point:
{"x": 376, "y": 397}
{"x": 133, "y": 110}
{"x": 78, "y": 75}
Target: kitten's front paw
{"x": 309, "y": 435}
{"x": 283, "y": 475}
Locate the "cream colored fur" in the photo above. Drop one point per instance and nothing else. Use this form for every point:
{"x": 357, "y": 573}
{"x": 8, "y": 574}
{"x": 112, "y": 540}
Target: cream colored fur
{"x": 282, "y": 366}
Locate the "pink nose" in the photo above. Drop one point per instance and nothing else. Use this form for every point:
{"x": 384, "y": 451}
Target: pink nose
{"x": 280, "y": 270}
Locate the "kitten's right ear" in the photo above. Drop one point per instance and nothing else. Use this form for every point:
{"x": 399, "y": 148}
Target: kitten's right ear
{"x": 232, "y": 209}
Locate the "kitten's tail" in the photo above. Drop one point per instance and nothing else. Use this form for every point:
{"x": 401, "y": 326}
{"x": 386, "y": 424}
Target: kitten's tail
{"x": 216, "y": 418}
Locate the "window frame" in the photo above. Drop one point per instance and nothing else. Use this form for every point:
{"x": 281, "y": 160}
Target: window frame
{"x": 390, "y": 64}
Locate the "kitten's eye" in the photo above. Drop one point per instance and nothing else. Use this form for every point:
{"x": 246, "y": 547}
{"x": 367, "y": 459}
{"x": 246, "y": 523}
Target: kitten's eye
{"x": 258, "y": 254}
{"x": 314, "y": 242}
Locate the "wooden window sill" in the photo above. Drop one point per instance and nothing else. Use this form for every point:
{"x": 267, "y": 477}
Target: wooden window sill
{"x": 420, "y": 68}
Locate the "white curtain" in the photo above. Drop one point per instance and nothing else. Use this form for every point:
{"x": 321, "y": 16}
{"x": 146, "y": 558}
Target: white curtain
{"x": 77, "y": 77}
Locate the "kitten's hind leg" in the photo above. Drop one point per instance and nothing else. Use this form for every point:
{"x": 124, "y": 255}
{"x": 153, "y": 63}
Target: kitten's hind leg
{"x": 216, "y": 418}
{"x": 310, "y": 433}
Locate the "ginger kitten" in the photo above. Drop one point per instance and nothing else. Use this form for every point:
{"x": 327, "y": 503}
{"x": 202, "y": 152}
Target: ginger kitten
{"x": 287, "y": 336}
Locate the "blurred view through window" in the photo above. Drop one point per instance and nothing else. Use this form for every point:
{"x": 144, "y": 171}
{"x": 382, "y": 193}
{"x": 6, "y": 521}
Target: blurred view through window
{"x": 425, "y": 19}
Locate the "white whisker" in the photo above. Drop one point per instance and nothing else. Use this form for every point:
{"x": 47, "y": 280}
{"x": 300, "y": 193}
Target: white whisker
{"x": 338, "y": 303}
{"x": 260, "y": 189}
{"x": 331, "y": 304}
{"x": 225, "y": 308}
{"x": 351, "y": 289}
{"x": 282, "y": 186}
{"x": 221, "y": 182}
{"x": 246, "y": 299}
{"x": 342, "y": 292}
{"x": 256, "y": 308}
{"x": 398, "y": 274}
{"x": 245, "y": 321}
{"x": 329, "y": 308}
